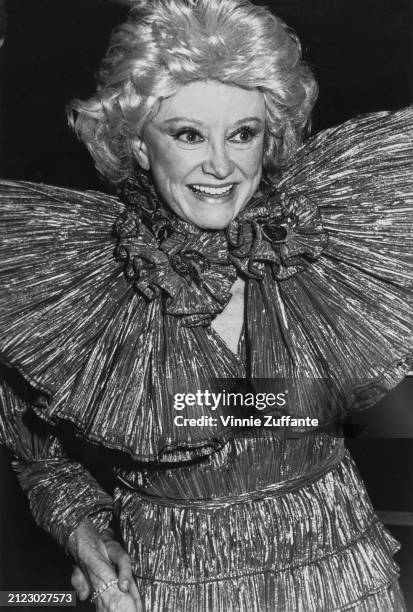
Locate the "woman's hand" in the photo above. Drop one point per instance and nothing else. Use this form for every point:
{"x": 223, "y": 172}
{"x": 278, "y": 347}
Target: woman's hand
{"x": 100, "y": 559}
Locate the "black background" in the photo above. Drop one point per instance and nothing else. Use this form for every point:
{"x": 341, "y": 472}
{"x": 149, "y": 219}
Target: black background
{"x": 362, "y": 55}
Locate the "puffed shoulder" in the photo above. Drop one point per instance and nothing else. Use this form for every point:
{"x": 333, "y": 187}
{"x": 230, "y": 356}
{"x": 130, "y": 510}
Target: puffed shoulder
{"x": 97, "y": 353}
{"x": 347, "y": 315}
{"x": 59, "y": 282}
{"x": 361, "y": 175}
{"x": 61, "y": 288}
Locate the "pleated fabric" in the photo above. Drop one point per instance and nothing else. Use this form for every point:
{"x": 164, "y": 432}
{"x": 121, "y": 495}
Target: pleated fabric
{"x": 61, "y": 491}
{"x": 332, "y": 320}
{"x": 106, "y": 308}
{"x": 306, "y": 540}
{"x": 106, "y": 311}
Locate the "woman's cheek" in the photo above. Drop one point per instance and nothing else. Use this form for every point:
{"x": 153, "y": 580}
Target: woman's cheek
{"x": 178, "y": 163}
{"x": 250, "y": 160}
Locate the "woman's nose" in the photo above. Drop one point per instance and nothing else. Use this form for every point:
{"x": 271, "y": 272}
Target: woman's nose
{"x": 218, "y": 162}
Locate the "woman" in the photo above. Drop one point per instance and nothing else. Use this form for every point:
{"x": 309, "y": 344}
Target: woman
{"x": 234, "y": 257}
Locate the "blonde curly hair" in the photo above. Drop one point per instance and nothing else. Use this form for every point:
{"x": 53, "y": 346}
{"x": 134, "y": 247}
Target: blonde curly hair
{"x": 165, "y": 44}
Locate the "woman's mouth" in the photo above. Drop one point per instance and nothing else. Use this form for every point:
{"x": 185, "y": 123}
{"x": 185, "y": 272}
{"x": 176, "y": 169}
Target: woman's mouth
{"x": 211, "y": 191}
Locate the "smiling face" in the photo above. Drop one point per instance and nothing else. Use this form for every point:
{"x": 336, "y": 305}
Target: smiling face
{"x": 205, "y": 149}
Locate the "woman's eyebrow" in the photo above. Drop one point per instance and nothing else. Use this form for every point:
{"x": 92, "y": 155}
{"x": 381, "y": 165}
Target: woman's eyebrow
{"x": 197, "y": 122}
{"x": 184, "y": 119}
{"x": 248, "y": 119}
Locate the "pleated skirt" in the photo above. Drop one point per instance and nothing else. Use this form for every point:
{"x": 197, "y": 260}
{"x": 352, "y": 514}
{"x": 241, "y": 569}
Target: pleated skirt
{"x": 308, "y": 543}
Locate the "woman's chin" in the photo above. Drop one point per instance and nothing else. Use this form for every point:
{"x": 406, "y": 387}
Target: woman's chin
{"x": 211, "y": 223}
{"x": 213, "y": 219}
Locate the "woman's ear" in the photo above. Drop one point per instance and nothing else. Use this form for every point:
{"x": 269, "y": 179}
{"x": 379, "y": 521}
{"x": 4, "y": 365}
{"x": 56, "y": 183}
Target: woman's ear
{"x": 140, "y": 151}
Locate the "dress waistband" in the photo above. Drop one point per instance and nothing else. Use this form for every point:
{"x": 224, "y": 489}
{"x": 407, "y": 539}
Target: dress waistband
{"x": 271, "y": 490}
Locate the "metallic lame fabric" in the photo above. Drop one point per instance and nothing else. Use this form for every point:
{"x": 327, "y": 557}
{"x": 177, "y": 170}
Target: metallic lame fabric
{"x": 310, "y": 542}
{"x": 106, "y": 308}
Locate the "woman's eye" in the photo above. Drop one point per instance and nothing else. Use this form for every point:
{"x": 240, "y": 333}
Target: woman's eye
{"x": 188, "y": 136}
{"x": 244, "y": 134}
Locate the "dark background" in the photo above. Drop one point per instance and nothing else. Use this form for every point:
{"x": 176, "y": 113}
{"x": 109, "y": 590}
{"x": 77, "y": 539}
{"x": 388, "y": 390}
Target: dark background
{"x": 362, "y": 55}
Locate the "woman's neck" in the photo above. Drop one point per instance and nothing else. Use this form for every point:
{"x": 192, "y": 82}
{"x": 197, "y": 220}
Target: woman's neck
{"x": 228, "y": 323}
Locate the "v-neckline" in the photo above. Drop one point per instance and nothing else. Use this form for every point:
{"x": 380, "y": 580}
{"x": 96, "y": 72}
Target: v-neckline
{"x": 236, "y": 313}
{"x": 238, "y": 356}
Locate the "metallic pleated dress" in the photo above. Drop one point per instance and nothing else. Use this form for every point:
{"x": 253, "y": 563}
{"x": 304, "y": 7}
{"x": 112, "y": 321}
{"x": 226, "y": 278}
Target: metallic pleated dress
{"x": 107, "y": 304}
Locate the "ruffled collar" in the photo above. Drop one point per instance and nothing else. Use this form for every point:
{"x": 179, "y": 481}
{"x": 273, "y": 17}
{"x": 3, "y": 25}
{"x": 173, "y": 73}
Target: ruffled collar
{"x": 191, "y": 270}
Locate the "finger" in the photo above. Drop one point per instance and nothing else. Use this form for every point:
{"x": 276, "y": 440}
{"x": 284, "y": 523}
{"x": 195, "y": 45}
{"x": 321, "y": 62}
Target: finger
{"x": 121, "y": 560}
{"x": 80, "y": 583}
{"x": 133, "y": 590}
{"x": 116, "y": 601}
{"x": 125, "y": 571}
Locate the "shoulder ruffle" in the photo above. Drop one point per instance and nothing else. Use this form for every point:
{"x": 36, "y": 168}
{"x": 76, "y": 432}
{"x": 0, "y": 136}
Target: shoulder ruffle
{"x": 343, "y": 325}
{"x": 59, "y": 281}
{"x": 96, "y": 351}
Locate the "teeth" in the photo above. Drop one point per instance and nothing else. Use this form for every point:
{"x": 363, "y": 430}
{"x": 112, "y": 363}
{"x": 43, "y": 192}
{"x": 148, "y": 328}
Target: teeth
{"x": 212, "y": 190}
